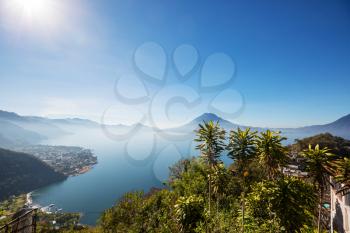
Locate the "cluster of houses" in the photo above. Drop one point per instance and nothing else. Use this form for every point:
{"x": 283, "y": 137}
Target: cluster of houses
{"x": 69, "y": 160}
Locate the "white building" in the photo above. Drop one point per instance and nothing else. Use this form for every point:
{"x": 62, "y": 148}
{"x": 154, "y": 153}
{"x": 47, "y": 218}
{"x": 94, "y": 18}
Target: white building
{"x": 340, "y": 211}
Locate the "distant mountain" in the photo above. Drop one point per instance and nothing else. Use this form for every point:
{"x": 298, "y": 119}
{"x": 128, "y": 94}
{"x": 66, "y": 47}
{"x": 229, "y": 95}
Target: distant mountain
{"x": 14, "y": 135}
{"x": 339, "y": 127}
{"x": 206, "y": 117}
{"x": 342, "y": 124}
{"x": 16, "y": 129}
{"x": 9, "y": 115}
{"x": 76, "y": 122}
{"x": 22, "y": 173}
{"x": 40, "y": 125}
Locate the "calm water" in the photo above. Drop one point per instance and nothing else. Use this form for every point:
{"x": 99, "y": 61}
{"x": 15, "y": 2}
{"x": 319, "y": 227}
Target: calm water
{"x": 115, "y": 173}
{"x": 139, "y": 163}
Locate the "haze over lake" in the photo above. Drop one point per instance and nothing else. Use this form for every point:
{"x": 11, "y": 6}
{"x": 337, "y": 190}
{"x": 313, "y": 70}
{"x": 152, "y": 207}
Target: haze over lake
{"x": 115, "y": 174}
{"x": 129, "y": 162}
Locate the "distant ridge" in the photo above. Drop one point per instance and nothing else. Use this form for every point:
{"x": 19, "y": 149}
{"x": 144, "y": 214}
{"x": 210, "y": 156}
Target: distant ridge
{"x": 342, "y": 123}
{"x": 76, "y": 121}
{"x": 15, "y": 117}
{"x": 18, "y": 130}
{"x": 12, "y": 134}
{"x": 50, "y": 128}
{"x": 9, "y": 115}
{"x": 340, "y": 127}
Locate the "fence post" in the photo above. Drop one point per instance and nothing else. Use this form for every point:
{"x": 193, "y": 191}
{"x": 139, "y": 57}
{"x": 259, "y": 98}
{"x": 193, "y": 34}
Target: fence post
{"x": 34, "y": 221}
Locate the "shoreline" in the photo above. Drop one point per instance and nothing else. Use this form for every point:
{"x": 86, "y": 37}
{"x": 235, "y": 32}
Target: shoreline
{"x": 29, "y": 199}
{"x": 83, "y": 170}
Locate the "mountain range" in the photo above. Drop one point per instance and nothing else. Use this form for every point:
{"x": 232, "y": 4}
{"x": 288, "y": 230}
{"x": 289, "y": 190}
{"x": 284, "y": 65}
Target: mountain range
{"x": 19, "y": 130}
{"x": 340, "y": 127}
{"x": 22, "y": 130}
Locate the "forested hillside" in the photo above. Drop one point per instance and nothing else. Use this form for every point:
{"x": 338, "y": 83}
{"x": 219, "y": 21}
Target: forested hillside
{"x": 339, "y": 146}
{"x": 21, "y": 173}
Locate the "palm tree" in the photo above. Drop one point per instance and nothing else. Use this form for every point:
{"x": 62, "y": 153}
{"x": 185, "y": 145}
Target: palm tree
{"x": 342, "y": 175}
{"x": 319, "y": 166}
{"x": 212, "y": 142}
{"x": 242, "y": 148}
{"x": 271, "y": 152}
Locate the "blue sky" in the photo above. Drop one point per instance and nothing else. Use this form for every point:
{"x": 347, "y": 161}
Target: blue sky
{"x": 291, "y": 58}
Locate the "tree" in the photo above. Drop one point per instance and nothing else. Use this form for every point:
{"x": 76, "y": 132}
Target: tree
{"x": 212, "y": 142}
{"x": 271, "y": 152}
{"x": 342, "y": 175}
{"x": 189, "y": 212}
{"x": 338, "y": 145}
{"x": 190, "y": 181}
{"x": 319, "y": 166}
{"x": 242, "y": 147}
{"x": 137, "y": 212}
{"x": 289, "y": 201}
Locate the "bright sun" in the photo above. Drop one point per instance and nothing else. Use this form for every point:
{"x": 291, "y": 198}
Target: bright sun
{"x": 43, "y": 14}
{"x": 32, "y": 6}
{"x": 33, "y": 9}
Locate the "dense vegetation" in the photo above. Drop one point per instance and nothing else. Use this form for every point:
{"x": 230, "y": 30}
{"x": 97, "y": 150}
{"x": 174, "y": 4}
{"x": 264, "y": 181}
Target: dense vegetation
{"x": 46, "y": 222}
{"x": 338, "y": 145}
{"x": 22, "y": 173}
{"x": 11, "y": 206}
{"x": 250, "y": 195}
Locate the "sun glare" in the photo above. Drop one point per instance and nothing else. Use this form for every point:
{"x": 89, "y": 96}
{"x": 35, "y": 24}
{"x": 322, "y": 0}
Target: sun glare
{"x": 30, "y": 14}
{"x": 31, "y": 7}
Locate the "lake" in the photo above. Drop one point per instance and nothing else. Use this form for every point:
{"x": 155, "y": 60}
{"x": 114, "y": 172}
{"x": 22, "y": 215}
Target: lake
{"x": 123, "y": 166}
{"x": 137, "y": 162}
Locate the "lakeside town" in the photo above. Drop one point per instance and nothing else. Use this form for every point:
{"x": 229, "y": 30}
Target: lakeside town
{"x": 69, "y": 160}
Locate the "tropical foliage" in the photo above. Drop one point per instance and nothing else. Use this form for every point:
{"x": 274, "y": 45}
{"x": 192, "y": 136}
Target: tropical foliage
{"x": 318, "y": 166}
{"x": 290, "y": 201}
{"x": 211, "y": 140}
{"x": 242, "y": 147}
{"x": 342, "y": 175}
{"x": 271, "y": 152}
{"x": 250, "y": 195}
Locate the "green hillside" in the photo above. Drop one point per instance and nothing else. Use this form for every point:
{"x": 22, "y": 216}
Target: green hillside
{"x": 337, "y": 145}
{"x": 21, "y": 173}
